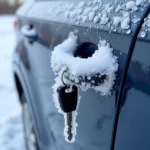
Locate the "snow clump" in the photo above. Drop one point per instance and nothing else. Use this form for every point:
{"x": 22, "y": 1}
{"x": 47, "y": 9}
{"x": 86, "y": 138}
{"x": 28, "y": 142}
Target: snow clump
{"x": 102, "y": 61}
{"x": 130, "y": 5}
{"x": 91, "y": 16}
{"x": 125, "y": 24}
{"x": 96, "y": 19}
{"x": 117, "y": 20}
{"x": 139, "y": 2}
{"x": 143, "y": 34}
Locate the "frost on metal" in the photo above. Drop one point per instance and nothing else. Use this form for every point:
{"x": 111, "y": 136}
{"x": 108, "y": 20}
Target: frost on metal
{"x": 117, "y": 20}
{"x": 74, "y": 127}
{"x": 58, "y": 83}
{"x": 142, "y": 34}
{"x": 119, "y": 15}
{"x": 125, "y": 24}
{"x": 145, "y": 27}
{"x": 130, "y": 5}
{"x": 102, "y": 62}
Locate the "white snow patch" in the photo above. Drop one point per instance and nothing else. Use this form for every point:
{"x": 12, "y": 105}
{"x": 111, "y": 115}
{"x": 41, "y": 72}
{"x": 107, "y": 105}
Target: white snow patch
{"x": 70, "y": 7}
{"x": 87, "y": 11}
{"x": 74, "y": 127}
{"x": 95, "y": 2}
{"x": 104, "y": 19}
{"x": 11, "y": 134}
{"x": 128, "y": 31}
{"x": 96, "y": 19}
{"x": 109, "y": 8}
{"x": 73, "y": 14}
{"x": 143, "y": 34}
{"x": 89, "y": 3}
{"x": 11, "y": 129}
{"x": 117, "y": 20}
{"x": 91, "y": 16}
{"x": 139, "y": 2}
{"x": 81, "y": 4}
{"x": 84, "y": 19}
{"x": 148, "y": 23}
{"x": 95, "y": 8}
{"x": 58, "y": 83}
{"x": 130, "y": 5}
{"x": 118, "y": 8}
{"x": 125, "y": 24}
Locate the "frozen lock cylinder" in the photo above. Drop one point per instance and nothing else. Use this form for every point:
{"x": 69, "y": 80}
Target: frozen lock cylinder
{"x": 85, "y": 51}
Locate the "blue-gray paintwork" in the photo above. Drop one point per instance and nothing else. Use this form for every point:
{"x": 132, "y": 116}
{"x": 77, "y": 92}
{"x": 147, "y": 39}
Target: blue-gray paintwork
{"x": 134, "y": 124}
{"x": 96, "y": 113}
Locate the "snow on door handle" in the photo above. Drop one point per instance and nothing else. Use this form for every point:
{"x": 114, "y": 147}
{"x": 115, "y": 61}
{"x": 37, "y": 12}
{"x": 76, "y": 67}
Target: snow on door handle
{"x": 29, "y": 32}
{"x": 86, "y": 66}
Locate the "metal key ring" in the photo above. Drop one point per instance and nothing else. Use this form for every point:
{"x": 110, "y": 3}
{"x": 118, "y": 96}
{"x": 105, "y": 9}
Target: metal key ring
{"x": 96, "y": 78}
{"x": 63, "y": 79}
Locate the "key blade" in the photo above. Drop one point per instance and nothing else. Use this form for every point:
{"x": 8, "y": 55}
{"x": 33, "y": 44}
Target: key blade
{"x": 69, "y": 123}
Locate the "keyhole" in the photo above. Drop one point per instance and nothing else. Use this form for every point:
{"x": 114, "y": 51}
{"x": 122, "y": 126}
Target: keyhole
{"x": 86, "y": 50}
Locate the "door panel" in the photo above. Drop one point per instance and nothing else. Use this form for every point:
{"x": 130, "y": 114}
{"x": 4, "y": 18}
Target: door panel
{"x": 134, "y": 124}
{"x": 96, "y": 113}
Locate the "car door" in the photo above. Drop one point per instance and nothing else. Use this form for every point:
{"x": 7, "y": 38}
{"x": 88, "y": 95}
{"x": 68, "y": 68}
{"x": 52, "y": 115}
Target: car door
{"x": 133, "y": 130}
{"x": 96, "y": 113}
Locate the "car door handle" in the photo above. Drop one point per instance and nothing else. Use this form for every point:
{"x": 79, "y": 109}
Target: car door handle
{"x": 86, "y": 50}
{"x": 29, "y": 32}
{"x": 85, "y": 65}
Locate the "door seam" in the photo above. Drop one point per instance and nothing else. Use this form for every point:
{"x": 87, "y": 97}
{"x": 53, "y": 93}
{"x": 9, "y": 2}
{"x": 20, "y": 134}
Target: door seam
{"x": 123, "y": 80}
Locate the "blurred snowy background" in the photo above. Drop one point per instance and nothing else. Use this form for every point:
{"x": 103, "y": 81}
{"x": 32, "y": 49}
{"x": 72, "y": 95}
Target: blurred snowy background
{"x": 11, "y": 129}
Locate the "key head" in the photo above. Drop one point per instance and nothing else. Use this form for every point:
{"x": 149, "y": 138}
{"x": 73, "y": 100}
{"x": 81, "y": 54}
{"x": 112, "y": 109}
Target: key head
{"x": 68, "y": 101}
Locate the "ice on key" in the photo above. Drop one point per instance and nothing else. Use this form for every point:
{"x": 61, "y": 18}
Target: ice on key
{"x": 67, "y": 103}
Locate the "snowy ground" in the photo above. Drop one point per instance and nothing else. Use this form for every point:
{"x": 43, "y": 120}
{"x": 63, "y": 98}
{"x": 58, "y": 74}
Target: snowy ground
{"x": 11, "y": 129}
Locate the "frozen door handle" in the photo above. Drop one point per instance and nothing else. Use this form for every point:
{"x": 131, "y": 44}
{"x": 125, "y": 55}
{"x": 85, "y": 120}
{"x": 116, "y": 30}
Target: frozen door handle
{"x": 85, "y": 65}
{"x": 29, "y": 32}
{"x": 84, "y": 51}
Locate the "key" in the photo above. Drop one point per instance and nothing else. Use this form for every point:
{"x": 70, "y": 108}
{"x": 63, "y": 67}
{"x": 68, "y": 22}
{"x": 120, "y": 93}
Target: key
{"x": 68, "y": 103}
{"x": 69, "y": 124}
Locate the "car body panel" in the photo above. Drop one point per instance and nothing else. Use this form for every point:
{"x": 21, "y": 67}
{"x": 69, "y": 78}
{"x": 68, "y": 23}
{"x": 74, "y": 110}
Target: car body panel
{"x": 133, "y": 129}
{"x": 96, "y": 113}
